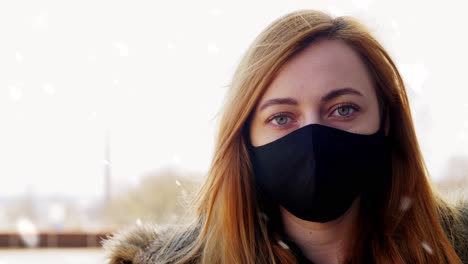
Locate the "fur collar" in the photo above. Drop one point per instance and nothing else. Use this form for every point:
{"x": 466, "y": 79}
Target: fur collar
{"x": 140, "y": 244}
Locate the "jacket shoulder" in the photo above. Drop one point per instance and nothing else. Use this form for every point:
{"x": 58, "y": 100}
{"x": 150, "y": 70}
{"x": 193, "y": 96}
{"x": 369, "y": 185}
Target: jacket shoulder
{"x": 147, "y": 243}
{"x": 127, "y": 245}
{"x": 455, "y": 223}
{"x": 462, "y": 248}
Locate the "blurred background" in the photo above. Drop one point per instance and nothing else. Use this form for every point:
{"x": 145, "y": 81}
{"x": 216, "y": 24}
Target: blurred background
{"x": 108, "y": 109}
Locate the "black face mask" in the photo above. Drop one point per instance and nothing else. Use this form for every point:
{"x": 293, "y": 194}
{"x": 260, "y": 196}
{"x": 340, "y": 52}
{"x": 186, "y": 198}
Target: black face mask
{"x": 316, "y": 172}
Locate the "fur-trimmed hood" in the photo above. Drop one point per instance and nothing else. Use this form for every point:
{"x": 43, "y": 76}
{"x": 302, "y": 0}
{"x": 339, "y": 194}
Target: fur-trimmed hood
{"x": 140, "y": 244}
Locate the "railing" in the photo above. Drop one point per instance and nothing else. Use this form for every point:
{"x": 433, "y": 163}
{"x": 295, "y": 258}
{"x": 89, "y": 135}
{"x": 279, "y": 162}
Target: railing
{"x": 62, "y": 239}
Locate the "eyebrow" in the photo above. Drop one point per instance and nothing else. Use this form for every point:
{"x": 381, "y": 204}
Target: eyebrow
{"x": 328, "y": 97}
{"x": 339, "y": 92}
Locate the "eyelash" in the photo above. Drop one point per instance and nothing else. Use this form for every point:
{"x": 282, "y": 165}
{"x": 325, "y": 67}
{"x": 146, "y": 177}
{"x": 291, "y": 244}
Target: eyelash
{"x": 354, "y": 107}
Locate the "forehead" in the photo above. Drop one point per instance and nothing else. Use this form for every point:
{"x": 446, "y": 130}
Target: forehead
{"x": 323, "y": 66}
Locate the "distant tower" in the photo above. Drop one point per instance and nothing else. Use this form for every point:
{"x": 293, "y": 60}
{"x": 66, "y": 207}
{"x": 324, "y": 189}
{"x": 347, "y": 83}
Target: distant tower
{"x": 107, "y": 170}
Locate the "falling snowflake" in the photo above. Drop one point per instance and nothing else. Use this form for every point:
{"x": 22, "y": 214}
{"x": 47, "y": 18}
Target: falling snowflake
{"x": 28, "y": 232}
{"x": 56, "y": 214}
{"x": 335, "y": 11}
{"x": 122, "y": 48}
{"x": 176, "y": 161}
{"x": 362, "y": 4}
{"x": 282, "y": 244}
{"x": 49, "y": 89}
{"x": 40, "y": 21}
{"x": 264, "y": 216}
{"x": 177, "y": 182}
{"x": 394, "y": 23}
{"x": 171, "y": 46}
{"x": 16, "y": 93}
{"x": 216, "y": 11}
{"x": 93, "y": 115}
{"x": 415, "y": 76}
{"x": 405, "y": 203}
{"x": 426, "y": 247}
{"x": 213, "y": 48}
{"x": 138, "y": 222}
{"x": 19, "y": 57}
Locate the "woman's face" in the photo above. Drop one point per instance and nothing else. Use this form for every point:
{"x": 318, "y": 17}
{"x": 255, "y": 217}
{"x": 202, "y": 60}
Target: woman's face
{"x": 326, "y": 84}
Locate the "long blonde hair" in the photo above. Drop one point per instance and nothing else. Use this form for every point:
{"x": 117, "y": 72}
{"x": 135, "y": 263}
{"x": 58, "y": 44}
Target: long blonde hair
{"x": 232, "y": 228}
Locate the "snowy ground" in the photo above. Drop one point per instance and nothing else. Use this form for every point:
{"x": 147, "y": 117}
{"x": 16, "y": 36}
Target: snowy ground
{"x": 52, "y": 256}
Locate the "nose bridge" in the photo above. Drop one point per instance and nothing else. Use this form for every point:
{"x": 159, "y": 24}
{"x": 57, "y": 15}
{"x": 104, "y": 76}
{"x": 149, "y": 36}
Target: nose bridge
{"x": 311, "y": 116}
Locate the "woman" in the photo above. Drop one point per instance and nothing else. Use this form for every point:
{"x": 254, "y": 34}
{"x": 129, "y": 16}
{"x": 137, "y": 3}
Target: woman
{"x": 316, "y": 161}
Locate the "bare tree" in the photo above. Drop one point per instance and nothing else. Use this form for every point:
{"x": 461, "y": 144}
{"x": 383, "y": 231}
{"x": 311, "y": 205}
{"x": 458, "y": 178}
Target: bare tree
{"x": 160, "y": 197}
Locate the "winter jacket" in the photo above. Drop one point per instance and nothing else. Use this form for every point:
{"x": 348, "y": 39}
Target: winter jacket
{"x": 139, "y": 244}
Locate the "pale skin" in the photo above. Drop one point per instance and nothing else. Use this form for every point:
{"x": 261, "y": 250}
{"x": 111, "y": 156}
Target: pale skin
{"x": 327, "y": 84}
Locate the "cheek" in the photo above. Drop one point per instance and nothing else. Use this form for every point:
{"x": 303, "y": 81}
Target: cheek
{"x": 257, "y": 136}
{"x": 370, "y": 123}
{"x": 376, "y": 118}
{"x": 260, "y": 134}
{"x": 253, "y": 133}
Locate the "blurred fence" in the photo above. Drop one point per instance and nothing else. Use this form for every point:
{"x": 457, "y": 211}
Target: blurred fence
{"x": 55, "y": 240}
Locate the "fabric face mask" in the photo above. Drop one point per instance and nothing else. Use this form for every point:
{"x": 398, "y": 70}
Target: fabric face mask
{"x": 316, "y": 172}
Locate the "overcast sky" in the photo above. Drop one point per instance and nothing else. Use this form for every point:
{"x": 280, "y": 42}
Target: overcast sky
{"x": 154, "y": 74}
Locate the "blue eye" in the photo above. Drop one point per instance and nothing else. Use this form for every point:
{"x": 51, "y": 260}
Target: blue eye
{"x": 280, "y": 119}
{"x": 345, "y": 110}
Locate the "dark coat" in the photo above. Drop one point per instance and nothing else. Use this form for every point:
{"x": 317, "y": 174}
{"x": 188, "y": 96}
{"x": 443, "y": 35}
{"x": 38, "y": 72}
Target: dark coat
{"x": 139, "y": 244}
